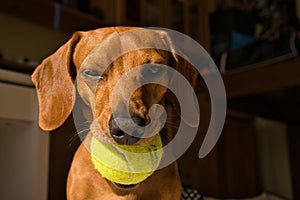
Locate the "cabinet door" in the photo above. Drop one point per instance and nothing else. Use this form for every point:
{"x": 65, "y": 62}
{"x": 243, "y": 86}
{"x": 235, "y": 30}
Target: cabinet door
{"x": 230, "y": 169}
{"x": 23, "y": 146}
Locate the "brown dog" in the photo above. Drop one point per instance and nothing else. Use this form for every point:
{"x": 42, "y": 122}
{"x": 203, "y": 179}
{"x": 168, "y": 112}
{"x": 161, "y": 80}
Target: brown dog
{"x": 81, "y": 58}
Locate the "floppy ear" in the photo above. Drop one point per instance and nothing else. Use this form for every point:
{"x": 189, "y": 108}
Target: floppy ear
{"x": 54, "y": 82}
{"x": 191, "y": 74}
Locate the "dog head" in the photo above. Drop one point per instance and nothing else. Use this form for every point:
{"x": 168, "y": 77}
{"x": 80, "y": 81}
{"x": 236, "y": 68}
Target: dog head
{"x": 96, "y": 61}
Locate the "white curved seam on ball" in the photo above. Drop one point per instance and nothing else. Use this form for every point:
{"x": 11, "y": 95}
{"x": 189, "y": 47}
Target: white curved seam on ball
{"x": 127, "y": 162}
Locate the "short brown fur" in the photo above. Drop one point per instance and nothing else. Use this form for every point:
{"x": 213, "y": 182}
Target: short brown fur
{"x": 54, "y": 80}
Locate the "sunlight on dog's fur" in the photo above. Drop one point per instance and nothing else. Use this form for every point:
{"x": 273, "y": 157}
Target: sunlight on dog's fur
{"x": 78, "y": 62}
{"x": 94, "y": 91}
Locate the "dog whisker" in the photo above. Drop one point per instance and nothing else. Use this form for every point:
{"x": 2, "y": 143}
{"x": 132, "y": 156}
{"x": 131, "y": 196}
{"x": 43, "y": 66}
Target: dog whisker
{"x": 83, "y": 133}
{"x": 74, "y": 140}
{"x": 79, "y": 135}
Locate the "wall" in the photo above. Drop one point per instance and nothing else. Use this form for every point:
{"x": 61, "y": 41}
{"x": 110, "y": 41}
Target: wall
{"x": 19, "y": 39}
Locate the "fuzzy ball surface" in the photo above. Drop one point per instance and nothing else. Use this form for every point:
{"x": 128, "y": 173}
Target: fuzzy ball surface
{"x": 126, "y": 164}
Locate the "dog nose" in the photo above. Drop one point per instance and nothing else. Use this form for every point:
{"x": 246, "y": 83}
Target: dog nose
{"x": 120, "y": 136}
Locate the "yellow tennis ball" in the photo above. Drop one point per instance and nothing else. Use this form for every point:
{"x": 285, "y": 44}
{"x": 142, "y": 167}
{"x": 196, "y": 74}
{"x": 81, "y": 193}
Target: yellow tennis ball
{"x": 126, "y": 164}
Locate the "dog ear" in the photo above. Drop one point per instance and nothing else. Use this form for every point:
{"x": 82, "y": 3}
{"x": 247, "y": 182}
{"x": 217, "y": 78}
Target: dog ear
{"x": 191, "y": 74}
{"x": 54, "y": 82}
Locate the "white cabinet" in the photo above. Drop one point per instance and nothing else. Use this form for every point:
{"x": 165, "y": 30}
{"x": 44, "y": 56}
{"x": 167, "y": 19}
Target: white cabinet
{"x": 24, "y": 148}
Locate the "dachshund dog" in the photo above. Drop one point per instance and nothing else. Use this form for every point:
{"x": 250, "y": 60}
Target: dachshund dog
{"x": 77, "y": 67}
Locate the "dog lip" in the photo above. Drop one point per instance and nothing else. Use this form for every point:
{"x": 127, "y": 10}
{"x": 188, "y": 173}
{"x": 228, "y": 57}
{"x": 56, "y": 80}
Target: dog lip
{"x": 125, "y": 187}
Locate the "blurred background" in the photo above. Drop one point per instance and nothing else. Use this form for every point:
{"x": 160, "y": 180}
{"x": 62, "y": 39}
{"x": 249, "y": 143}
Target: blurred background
{"x": 254, "y": 43}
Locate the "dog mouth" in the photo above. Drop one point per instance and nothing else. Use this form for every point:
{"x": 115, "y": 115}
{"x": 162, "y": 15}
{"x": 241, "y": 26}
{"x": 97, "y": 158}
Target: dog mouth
{"x": 125, "y": 187}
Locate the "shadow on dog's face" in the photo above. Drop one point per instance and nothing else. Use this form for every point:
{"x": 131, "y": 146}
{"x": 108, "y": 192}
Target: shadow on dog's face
{"x": 97, "y": 87}
{"x": 105, "y": 65}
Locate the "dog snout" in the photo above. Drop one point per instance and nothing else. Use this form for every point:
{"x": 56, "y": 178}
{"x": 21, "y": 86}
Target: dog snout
{"x": 122, "y": 137}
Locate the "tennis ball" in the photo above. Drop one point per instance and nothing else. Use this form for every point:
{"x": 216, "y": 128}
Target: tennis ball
{"x": 125, "y": 164}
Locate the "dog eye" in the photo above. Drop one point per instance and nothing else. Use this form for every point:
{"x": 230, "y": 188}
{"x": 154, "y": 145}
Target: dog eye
{"x": 154, "y": 69}
{"x": 93, "y": 74}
